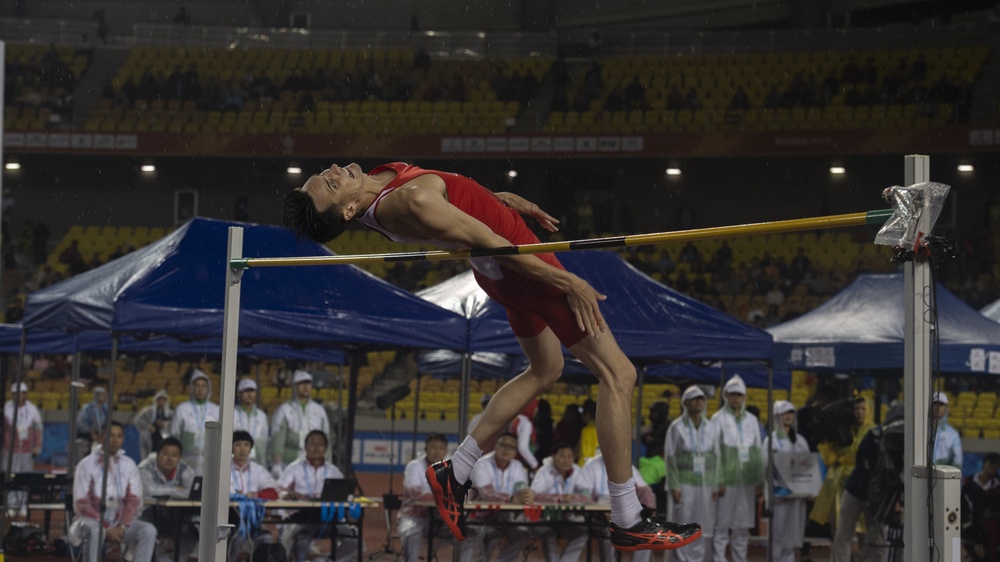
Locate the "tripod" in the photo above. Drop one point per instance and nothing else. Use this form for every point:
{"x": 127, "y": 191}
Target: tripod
{"x": 390, "y": 501}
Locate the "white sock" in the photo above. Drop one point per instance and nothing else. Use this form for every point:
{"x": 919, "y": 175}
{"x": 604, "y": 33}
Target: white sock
{"x": 626, "y": 511}
{"x": 465, "y": 456}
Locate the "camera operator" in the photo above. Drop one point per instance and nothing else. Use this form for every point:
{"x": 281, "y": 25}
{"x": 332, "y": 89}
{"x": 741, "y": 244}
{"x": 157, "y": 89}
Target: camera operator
{"x": 838, "y": 445}
{"x": 872, "y": 469}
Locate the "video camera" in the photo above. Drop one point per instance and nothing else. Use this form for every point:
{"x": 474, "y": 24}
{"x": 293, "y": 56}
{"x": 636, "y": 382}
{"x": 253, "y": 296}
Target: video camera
{"x": 834, "y": 423}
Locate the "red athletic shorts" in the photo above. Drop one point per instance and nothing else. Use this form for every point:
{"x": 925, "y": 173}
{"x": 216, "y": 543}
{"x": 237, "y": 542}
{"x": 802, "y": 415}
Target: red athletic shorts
{"x": 532, "y": 305}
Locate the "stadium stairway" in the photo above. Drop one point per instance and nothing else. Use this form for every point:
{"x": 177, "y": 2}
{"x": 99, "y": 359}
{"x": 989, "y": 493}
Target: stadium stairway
{"x": 103, "y": 66}
{"x": 985, "y": 108}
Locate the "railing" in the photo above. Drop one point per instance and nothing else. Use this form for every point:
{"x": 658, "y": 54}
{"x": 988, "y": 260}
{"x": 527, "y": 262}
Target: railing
{"x": 472, "y": 45}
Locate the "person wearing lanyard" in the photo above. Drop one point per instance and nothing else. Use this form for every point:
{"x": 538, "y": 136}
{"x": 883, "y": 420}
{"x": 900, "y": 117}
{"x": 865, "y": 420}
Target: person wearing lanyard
{"x": 413, "y": 520}
{"x": 153, "y": 423}
{"x": 303, "y": 480}
{"x": 498, "y": 478}
{"x": 555, "y": 482}
{"x": 789, "y": 513}
{"x": 165, "y": 475}
{"x": 594, "y": 482}
{"x": 253, "y": 420}
{"x": 691, "y": 447}
{"x": 189, "y": 420}
{"x": 252, "y": 480}
{"x": 91, "y": 419}
{"x": 26, "y": 440}
{"x": 122, "y": 503}
{"x": 292, "y": 421}
{"x": 742, "y": 473}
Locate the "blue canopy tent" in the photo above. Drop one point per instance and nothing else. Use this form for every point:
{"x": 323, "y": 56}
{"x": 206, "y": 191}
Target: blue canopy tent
{"x": 992, "y": 311}
{"x": 862, "y": 327}
{"x": 176, "y": 287}
{"x": 651, "y": 322}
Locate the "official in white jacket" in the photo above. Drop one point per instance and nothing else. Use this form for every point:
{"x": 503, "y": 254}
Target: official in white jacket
{"x": 189, "y": 420}
{"x": 293, "y": 420}
{"x": 789, "y": 517}
{"x": 251, "y": 419}
{"x": 691, "y": 448}
{"x": 413, "y": 520}
{"x": 165, "y": 475}
{"x": 556, "y": 483}
{"x": 123, "y": 501}
{"x": 25, "y": 439}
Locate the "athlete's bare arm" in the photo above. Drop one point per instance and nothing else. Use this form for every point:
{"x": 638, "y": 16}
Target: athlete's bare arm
{"x": 420, "y": 209}
{"x": 525, "y": 207}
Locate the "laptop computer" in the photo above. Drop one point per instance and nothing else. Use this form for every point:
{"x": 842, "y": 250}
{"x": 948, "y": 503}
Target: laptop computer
{"x": 195, "y": 493}
{"x": 338, "y": 489}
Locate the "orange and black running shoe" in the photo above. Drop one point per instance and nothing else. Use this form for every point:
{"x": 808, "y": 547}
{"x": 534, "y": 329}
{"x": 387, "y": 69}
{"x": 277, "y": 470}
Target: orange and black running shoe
{"x": 653, "y": 533}
{"x": 449, "y": 496}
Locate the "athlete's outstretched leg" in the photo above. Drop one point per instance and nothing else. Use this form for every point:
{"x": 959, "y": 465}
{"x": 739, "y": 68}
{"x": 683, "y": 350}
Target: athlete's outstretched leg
{"x": 632, "y": 528}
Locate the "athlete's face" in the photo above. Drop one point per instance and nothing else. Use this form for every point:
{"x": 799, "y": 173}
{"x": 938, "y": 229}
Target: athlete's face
{"x": 336, "y": 188}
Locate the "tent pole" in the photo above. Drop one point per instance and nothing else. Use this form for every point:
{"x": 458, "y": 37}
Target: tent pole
{"x": 769, "y": 479}
{"x": 416, "y": 415}
{"x": 215, "y": 525}
{"x": 722, "y": 383}
{"x": 106, "y": 439}
{"x": 463, "y": 396}
{"x": 73, "y": 407}
{"x": 357, "y": 358}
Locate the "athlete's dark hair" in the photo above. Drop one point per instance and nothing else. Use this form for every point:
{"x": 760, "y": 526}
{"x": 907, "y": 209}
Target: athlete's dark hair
{"x": 299, "y": 215}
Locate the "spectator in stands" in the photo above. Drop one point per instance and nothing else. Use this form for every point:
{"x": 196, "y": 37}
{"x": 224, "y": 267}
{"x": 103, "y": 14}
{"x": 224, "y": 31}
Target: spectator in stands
{"x": 188, "y": 424}
{"x": 740, "y": 101}
{"x": 789, "y": 513}
{"x": 498, "y": 479}
{"x": 103, "y": 29}
{"x": 253, "y": 420}
{"x": 304, "y": 479}
{"x": 167, "y": 476}
{"x": 742, "y": 472}
{"x": 293, "y": 421}
{"x": 675, "y": 100}
{"x": 483, "y": 401}
{"x": 73, "y": 259}
{"x": 182, "y": 17}
{"x": 24, "y": 436}
{"x": 947, "y": 441}
{"x": 252, "y": 480}
{"x": 153, "y": 423}
{"x": 91, "y": 419}
{"x": 421, "y": 60}
{"x": 555, "y": 483}
{"x": 120, "y": 503}
{"x": 981, "y": 511}
{"x": 839, "y": 460}
{"x": 588, "y": 433}
{"x": 524, "y": 428}
{"x": 413, "y": 520}
{"x": 40, "y": 243}
{"x": 635, "y": 94}
{"x": 593, "y": 482}
{"x": 652, "y": 465}
{"x": 691, "y": 446}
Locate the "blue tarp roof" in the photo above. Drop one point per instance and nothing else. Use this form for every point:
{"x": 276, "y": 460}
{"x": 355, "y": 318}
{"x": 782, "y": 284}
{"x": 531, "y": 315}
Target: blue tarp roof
{"x": 862, "y": 327}
{"x": 176, "y": 287}
{"x": 55, "y": 342}
{"x": 651, "y": 322}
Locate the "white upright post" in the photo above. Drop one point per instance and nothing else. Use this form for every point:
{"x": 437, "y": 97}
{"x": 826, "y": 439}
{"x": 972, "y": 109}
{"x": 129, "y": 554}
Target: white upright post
{"x": 916, "y": 382}
{"x": 215, "y": 525}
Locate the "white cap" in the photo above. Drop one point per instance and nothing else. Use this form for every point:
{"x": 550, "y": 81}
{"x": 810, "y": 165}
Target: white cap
{"x": 940, "y": 397}
{"x": 13, "y": 387}
{"x": 782, "y": 407}
{"x": 246, "y": 384}
{"x": 99, "y": 390}
{"x": 301, "y": 376}
{"x": 735, "y": 385}
{"x": 692, "y": 392}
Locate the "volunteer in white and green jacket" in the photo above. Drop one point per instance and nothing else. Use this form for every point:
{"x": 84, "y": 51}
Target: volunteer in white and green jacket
{"x": 293, "y": 421}
{"x": 691, "y": 449}
{"x": 251, "y": 419}
{"x": 947, "y": 441}
{"x": 741, "y": 475}
{"x": 789, "y": 517}
{"x": 188, "y": 424}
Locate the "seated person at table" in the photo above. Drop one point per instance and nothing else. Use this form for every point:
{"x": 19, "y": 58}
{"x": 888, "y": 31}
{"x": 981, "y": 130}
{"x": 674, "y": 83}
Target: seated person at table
{"x": 413, "y": 519}
{"x": 252, "y": 480}
{"x": 303, "y": 479}
{"x": 555, "y": 482}
{"x": 165, "y": 475}
{"x": 122, "y": 502}
{"x": 498, "y": 478}
{"x": 594, "y": 481}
